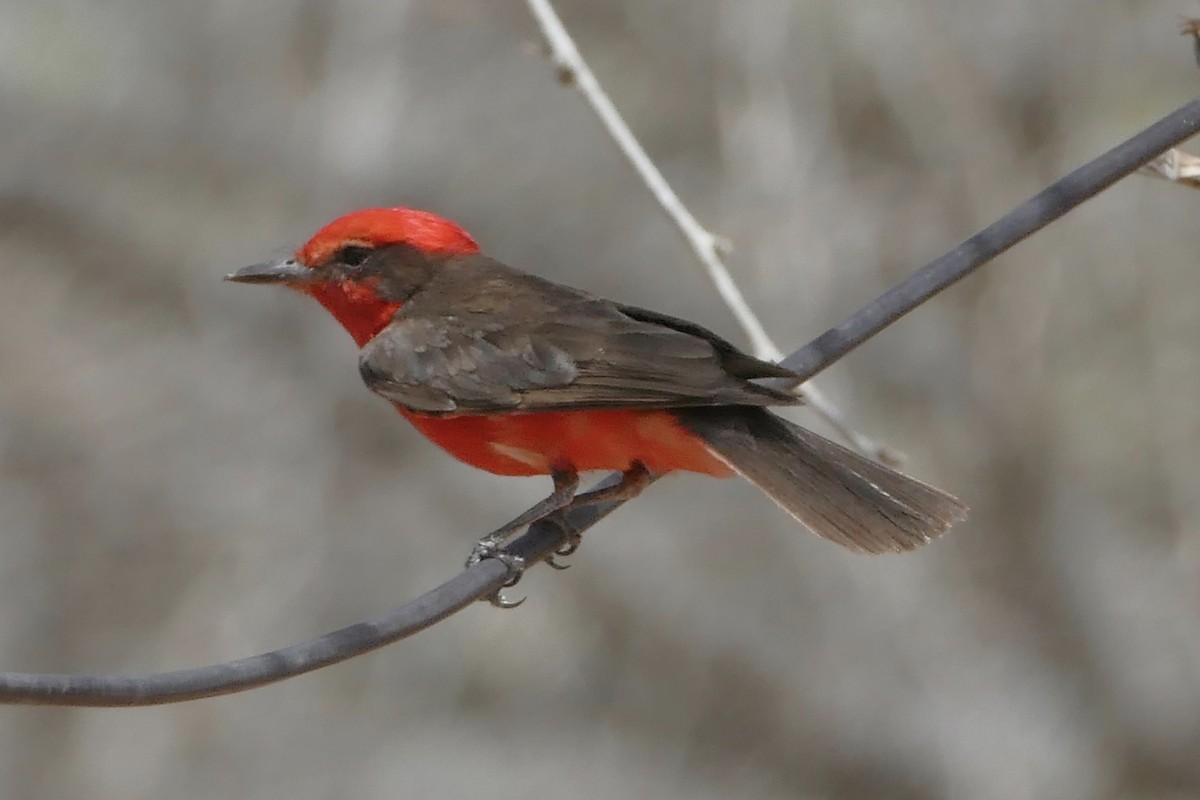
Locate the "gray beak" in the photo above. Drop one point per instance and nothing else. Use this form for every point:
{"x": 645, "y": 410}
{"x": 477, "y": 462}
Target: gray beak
{"x": 286, "y": 271}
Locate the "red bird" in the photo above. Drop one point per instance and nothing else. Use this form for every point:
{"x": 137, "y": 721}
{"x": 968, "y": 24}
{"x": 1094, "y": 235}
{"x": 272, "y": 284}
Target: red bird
{"x": 516, "y": 375}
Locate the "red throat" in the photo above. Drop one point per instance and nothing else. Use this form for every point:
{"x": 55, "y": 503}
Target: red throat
{"x": 356, "y": 306}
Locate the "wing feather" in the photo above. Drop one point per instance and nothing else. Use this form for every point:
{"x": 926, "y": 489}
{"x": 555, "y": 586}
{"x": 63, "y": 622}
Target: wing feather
{"x": 519, "y": 343}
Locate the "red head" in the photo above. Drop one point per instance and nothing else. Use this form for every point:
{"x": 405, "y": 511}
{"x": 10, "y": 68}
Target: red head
{"x": 374, "y": 227}
{"x": 352, "y": 268}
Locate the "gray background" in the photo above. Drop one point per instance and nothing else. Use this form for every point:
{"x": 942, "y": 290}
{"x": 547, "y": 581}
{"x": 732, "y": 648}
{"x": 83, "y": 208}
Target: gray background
{"x": 191, "y": 471}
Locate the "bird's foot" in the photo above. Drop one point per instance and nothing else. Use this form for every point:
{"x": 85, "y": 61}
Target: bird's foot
{"x": 568, "y": 547}
{"x": 570, "y": 543}
{"x": 565, "y": 484}
{"x": 489, "y": 548}
{"x": 553, "y": 509}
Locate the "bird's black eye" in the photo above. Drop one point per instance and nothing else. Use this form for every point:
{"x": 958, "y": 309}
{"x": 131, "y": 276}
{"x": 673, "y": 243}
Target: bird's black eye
{"x": 353, "y": 254}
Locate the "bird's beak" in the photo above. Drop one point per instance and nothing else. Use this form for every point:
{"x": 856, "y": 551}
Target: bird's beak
{"x": 287, "y": 271}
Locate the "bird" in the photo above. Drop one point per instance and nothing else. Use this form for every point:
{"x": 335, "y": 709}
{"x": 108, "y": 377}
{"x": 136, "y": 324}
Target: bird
{"x": 518, "y": 375}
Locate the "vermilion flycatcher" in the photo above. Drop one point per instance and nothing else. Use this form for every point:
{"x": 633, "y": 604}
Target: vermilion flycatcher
{"x": 517, "y": 375}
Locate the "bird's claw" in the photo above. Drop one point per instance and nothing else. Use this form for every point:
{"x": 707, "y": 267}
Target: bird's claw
{"x": 489, "y": 547}
{"x": 571, "y": 541}
{"x": 499, "y": 601}
{"x": 570, "y": 545}
{"x": 516, "y": 568}
{"x": 484, "y": 549}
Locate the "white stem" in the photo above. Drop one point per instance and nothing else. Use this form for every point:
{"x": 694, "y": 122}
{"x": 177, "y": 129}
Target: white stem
{"x": 573, "y": 70}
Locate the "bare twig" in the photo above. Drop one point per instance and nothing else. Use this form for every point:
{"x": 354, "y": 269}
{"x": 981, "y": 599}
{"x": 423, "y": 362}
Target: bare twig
{"x": 1190, "y": 26}
{"x": 709, "y": 248}
{"x": 574, "y": 71}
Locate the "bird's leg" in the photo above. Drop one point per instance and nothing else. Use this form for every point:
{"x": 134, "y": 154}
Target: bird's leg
{"x": 561, "y": 500}
{"x": 633, "y": 481}
{"x": 565, "y": 484}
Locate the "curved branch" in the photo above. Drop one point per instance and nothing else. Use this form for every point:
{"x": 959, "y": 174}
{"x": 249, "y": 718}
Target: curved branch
{"x": 479, "y": 581}
{"x": 249, "y": 673}
{"x": 543, "y": 538}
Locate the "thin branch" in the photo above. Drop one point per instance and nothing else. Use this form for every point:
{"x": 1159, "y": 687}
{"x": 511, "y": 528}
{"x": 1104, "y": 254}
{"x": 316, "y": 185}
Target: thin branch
{"x": 249, "y": 673}
{"x": 483, "y": 579}
{"x": 479, "y": 581}
{"x": 1190, "y": 26}
{"x": 709, "y": 248}
{"x": 574, "y": 71}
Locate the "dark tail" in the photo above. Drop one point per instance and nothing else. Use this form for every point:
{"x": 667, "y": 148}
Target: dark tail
{"x": 840, "y": 495}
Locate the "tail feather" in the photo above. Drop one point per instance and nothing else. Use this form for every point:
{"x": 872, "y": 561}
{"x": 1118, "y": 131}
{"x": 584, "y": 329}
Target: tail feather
{"x": 838, "y": 494}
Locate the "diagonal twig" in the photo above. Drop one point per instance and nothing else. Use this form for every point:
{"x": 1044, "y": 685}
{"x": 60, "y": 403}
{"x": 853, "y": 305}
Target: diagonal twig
{"x": 710, "y": 249}
{"x": 1190, "y": 26}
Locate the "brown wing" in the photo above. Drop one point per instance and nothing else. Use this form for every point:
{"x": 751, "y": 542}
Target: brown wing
{"x": 483, "y": 338}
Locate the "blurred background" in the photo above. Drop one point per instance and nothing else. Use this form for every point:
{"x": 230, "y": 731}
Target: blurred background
{"x": 191, "y": 471}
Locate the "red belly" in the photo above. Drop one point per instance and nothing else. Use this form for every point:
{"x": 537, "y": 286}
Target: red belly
{"x": 536, "y": 443}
